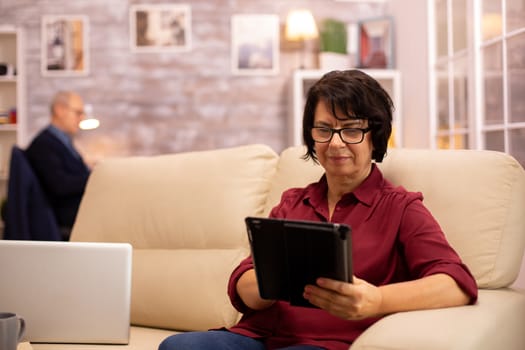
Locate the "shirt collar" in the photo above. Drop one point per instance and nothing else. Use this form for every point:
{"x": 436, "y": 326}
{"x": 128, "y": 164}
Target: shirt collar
{"x": 367, "y": 191}
{"x": 364, "y": 193}
{"x": 65, "y": 139}
{"x": 62, "y": 136}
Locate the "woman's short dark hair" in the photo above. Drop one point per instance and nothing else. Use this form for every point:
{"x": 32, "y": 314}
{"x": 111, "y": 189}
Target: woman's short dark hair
{"x": 358, "y": 96}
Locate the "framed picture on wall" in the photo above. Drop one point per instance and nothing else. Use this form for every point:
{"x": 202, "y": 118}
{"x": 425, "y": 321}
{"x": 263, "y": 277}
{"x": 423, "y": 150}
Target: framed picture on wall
{"x": 255, "y": 44}
{"x": 375, "y": 43}
{"x": 160, "y": 27}
{"x": 64, "y": 45}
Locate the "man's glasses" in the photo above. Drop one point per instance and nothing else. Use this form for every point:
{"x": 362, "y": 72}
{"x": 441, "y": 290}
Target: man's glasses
{"x": 324, "y": 134}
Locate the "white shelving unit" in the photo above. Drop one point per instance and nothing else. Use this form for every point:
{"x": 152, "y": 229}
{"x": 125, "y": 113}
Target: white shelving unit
{"x": 12, "y": 97}
{"x": 303, "y": 79}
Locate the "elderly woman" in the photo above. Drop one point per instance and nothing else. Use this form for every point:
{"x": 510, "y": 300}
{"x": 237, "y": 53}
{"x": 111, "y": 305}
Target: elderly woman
{"x": 401, "y": 258}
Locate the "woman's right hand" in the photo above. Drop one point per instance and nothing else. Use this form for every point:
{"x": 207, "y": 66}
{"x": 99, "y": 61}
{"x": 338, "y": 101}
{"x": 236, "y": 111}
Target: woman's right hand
{"x": 249, "y": 292}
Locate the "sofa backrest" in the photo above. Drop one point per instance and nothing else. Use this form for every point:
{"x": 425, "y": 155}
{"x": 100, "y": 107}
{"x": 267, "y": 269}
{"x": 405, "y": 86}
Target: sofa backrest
{"x": 478, "y": 197}
{"x": 183, "y": 214}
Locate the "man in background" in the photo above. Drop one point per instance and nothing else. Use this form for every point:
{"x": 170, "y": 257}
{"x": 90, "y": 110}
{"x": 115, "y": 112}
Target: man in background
{"x": 59, "y": 167}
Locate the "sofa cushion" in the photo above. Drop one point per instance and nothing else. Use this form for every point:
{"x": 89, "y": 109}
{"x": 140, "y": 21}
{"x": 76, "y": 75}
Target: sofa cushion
{"x": 187, "y": 200}
{"x": 292, "y": 171}
{"x": 184, "y": 215}
{"x": 477, "y": 196}
{"x": 140, "y": 338}
{"x": 193, "y": 291}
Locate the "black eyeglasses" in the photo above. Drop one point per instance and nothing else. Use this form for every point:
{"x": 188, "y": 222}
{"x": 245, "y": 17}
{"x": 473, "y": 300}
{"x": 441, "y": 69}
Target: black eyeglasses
{"x": 323, "y": 134}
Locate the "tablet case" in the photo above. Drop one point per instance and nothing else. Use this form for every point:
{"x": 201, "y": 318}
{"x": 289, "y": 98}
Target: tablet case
{"x": 289, "y": 254}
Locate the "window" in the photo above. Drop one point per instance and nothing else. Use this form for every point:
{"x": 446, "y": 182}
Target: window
{"x": 477, "y": 68}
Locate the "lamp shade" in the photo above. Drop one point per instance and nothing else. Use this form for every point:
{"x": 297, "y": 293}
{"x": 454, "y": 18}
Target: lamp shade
{"x": 300, "y": 25}
{"x": 90, "y": 122}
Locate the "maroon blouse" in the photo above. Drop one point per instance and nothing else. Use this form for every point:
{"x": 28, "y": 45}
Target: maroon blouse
{"x": 394, "y": 239}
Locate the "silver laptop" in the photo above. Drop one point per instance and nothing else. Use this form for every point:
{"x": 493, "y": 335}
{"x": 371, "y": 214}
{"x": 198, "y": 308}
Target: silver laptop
{"x": 68, "y": 292}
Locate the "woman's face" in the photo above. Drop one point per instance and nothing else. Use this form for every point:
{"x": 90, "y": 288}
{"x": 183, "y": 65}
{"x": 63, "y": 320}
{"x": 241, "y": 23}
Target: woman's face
{"x": 339, "y": 158}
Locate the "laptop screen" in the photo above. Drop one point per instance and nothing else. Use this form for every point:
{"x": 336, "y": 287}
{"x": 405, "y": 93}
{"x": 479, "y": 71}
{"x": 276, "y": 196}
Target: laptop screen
{"x": 68, "y": 292}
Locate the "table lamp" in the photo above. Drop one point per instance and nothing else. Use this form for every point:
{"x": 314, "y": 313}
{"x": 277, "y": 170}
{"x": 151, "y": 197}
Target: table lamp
{"x": 89, "y": 122}
{"x": 300, "y": 26}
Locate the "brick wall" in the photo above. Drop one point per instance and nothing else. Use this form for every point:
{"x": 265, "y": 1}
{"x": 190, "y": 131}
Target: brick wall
{"x": 154, "y": 103}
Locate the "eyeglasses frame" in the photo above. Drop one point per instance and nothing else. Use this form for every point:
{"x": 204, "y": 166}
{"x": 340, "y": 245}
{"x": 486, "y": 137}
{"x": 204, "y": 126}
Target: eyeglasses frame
{"x": 338, "y": 131}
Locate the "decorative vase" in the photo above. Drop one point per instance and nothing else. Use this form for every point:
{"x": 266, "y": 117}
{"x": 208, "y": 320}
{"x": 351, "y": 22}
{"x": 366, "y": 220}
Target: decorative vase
{"x": 333, "y": 61}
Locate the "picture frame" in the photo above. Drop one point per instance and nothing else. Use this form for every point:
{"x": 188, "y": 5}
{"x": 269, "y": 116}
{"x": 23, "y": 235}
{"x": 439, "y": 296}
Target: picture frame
{"x": 255, "y": 44}
{"x": 376, "y": 43}
{"x": 160, "y": 27}
{"x": 64, "y": 45}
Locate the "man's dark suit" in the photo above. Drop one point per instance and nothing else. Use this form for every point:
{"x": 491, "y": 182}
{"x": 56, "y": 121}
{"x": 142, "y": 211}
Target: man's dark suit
{"x": 62, "y": 174}
{"x": 28, "y": 214}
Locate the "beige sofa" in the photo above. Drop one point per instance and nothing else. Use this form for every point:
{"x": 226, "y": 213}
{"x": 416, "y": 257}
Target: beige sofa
{"x": 184, "y": 214}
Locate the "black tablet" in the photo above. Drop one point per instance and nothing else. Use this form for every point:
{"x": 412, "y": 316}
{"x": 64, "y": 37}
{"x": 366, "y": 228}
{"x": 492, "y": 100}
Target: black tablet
{"x": 289, "y": 254}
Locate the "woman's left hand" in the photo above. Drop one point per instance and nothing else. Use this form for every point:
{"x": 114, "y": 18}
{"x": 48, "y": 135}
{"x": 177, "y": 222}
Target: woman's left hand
{"x": 349, "y": 301}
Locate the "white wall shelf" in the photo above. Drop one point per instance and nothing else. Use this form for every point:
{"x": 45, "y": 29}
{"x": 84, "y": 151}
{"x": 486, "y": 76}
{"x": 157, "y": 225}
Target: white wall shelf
{"x": 303, "y": 79}
{"x": 12, "y": 97}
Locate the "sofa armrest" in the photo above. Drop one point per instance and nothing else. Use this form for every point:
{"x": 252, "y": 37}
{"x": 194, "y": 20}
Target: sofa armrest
{"x": 495, "y": 322}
